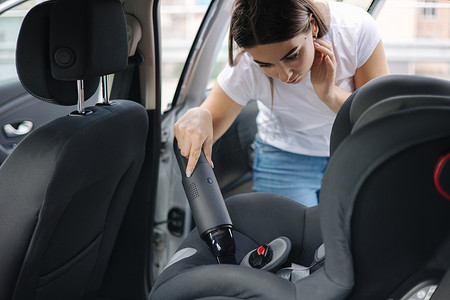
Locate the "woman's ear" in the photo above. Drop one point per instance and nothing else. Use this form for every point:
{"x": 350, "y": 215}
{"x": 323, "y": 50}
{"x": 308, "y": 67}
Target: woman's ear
{"x": 314, "y": 27}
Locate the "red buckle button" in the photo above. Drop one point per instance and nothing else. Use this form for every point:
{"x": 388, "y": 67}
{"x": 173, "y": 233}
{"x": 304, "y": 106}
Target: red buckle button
{"x": 261, "y": 250}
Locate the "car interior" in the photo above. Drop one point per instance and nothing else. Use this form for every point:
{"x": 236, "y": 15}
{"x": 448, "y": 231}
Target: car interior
{"x": 382, "y": 218}
{"x": 62, "y": 227}
{"x": 94, "y": 203}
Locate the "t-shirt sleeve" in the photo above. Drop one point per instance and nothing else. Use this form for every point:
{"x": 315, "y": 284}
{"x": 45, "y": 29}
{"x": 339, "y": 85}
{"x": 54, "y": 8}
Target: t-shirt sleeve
{"x": 238, "y": 82}
{"x": 368, "y": 39}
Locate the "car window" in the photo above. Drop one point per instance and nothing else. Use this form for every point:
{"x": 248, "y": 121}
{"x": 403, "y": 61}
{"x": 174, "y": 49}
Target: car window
{"x": 416, "y": 36}
{"x": 180, "y": 21}
{"x": 415, "y": 33}
{"x": 10, "y": 22}
{"x": 220, "y": 63}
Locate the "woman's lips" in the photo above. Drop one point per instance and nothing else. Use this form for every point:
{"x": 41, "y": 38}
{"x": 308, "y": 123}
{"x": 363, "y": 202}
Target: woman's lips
{"x": 294, "y": 80}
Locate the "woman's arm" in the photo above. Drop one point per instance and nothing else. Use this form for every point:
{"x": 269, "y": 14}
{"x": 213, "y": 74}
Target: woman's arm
{"x": 374, "y": 67}
{"x": 201, "y": 126}
{"x": 223, "y": 110}
{"x": 323, "y": 74}
{"x": 324, "y": 69}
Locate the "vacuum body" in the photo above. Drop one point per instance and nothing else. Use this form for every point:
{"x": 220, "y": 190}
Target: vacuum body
{"x": 208, "y": 207}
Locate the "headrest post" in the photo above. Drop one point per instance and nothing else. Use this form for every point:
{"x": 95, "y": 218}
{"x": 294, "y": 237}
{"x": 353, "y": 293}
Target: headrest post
{"x": 105, "y": 89}
{"x": 80, "y": 88}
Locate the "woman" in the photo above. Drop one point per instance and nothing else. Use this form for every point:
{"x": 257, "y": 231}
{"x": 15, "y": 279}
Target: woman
{"x": 300, "y": 59}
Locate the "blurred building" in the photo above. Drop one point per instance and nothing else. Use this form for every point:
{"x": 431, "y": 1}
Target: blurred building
{"x": 415, "y": 33}
{"x": 416, "y": 36}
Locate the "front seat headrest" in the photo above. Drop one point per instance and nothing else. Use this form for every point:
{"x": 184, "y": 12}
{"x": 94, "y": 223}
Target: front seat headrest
{"x": 64, "y": 41}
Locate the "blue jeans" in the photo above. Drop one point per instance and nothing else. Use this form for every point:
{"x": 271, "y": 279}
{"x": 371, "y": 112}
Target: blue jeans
{"x": 292, "y": 175}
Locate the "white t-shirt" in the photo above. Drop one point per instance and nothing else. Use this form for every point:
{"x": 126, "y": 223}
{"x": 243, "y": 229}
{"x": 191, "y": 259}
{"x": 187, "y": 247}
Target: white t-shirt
{"x": 300, "y": 122}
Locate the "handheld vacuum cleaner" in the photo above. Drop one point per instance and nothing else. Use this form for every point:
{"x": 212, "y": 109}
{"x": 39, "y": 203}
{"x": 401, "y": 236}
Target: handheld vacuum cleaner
{"x": 208, "y": 207}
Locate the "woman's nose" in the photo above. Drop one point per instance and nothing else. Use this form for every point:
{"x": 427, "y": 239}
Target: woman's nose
{"x": 284, "y": 73}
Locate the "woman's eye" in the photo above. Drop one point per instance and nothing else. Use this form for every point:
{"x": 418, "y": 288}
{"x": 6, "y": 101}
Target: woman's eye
{"x": 264, "y": 65}
{"x": 292, "y": 57}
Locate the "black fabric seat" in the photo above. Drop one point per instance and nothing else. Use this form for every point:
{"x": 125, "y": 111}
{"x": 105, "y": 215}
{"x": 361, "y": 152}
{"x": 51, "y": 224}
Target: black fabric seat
{"x": 383, "y": 214}
{"x": 65, "y": 188}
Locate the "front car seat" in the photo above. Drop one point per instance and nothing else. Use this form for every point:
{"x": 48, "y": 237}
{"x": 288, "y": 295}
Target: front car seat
{"x": 66, "y": 187}
{"x": 383, "y": 214}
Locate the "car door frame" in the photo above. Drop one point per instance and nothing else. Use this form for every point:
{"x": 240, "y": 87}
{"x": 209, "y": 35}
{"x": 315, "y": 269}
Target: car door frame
{"x": 190, "y": 92}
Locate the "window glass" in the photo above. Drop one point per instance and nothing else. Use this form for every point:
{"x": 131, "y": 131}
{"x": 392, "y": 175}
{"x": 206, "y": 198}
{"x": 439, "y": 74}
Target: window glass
{"x": 415, "y": 33}
{"x": 180, "y": 21}
{"x": 10, "y": 22}
{"x": 221, "y": 62}
{"x": 416, "y": 36}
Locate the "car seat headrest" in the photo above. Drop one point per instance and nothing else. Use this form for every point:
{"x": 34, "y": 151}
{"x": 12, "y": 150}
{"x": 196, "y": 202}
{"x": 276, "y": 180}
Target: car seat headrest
{"x": 395, "y": 104}
{"x": 413, "y": 89}
{"x": 64, "y": 41}
{"x": 390, "y": 86}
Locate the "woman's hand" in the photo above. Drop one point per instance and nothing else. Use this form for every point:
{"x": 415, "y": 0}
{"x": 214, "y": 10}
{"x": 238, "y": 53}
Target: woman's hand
{"x": 194, "y": 132}
{"x": 323, "y": 74}
{"x": 323, "y": 70}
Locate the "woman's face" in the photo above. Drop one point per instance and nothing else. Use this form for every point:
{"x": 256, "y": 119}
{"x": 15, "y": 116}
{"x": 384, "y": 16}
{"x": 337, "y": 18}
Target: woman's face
{"x": 290, "y": 60}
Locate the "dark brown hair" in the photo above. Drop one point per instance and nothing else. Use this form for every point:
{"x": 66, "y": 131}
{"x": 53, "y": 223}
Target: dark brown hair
{"x": 259, "y": 22}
